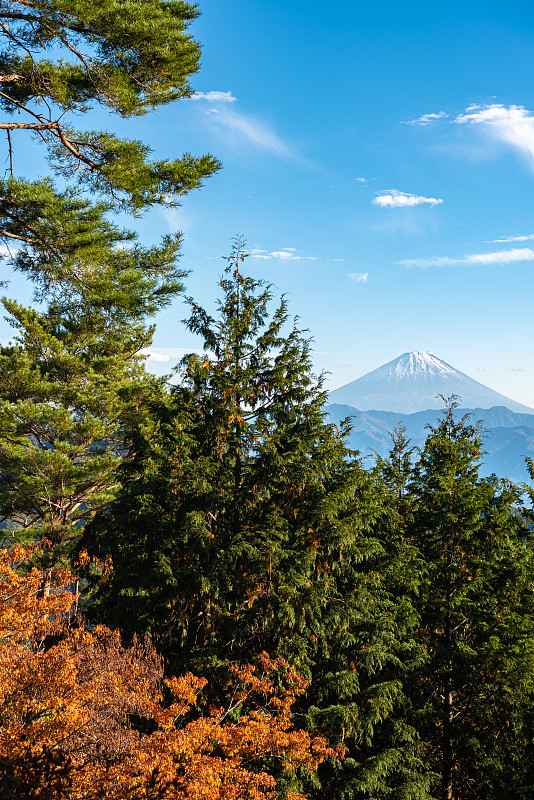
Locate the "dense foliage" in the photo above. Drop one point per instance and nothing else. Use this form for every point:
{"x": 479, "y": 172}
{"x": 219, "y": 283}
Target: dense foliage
{"x": 475, "y": 606}
{"x": 242, "y": 523}
{"x": 245, "y": 523}
{"x": 404, "y": 593}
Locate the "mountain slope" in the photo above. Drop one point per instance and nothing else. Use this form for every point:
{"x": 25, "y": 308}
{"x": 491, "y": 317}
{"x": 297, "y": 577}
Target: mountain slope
{"x": 414, "y": 382}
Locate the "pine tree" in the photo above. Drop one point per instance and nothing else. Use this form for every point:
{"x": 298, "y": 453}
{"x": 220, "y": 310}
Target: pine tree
{"x": 245, "y": 523}
{"x": 60, "y": 59}
{"x": 70, "y": 381}
{"x": 244, "y": 453}
{"x": 74, "y": 373}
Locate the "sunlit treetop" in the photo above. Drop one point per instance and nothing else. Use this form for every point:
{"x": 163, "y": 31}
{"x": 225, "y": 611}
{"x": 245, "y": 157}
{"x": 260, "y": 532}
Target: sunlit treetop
{"x": 59, "y": 58}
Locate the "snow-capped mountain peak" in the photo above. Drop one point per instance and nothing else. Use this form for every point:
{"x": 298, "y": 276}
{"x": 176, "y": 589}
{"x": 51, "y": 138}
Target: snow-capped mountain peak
{"x": 418, "y": 381}
{"x": 416, "y": 363}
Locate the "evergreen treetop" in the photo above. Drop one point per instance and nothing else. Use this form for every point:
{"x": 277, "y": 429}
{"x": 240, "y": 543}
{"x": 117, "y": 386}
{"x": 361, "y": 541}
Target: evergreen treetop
{"x": 75, "y": 374}
{"x": 241, "y": 470}
{"x": 70, "y": 381}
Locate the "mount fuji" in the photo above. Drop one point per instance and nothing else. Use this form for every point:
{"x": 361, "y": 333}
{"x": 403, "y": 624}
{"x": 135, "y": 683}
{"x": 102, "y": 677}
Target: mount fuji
{"x": 414, "y": 382}
{"x": 407, "y": 391}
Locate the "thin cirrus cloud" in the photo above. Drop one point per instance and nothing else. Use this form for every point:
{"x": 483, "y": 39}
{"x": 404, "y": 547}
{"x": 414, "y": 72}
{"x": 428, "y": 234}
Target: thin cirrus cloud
{"x": 285, "y": 254}
{"x": 512, "y": 256}
{"x": 176, "y": 218}
{"x": 243, "y": 129}
{"x": 393, "y": 198}
{"x": 214, "y": 97}
{"x": 359, "y": 277}
{"x": 427, "y": 119}
{"x": 520, "y": 237}
{"x": 238, "y": 130}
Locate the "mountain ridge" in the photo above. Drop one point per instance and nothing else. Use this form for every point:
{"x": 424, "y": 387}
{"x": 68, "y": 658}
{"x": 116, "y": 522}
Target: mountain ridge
{"x": 507, "y": 439}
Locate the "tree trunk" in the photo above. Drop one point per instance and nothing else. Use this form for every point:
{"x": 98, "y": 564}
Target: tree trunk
{"x": 447, "y": 747}
{"x": 448, "y": 759}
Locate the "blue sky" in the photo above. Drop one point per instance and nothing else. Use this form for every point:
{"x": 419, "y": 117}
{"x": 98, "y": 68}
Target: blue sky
{"x": 379, "y": 160}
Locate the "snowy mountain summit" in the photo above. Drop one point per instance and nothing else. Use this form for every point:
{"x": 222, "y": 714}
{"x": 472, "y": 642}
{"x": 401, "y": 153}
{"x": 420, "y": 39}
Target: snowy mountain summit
{"x": 414, "y": 382}
{"x": 412, "y": 365}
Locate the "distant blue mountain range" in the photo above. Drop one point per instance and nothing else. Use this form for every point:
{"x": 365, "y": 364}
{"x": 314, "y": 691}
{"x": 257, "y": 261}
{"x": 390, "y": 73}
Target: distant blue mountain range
{"x": 406, "y": 385}
{"x": 508, "y": 439}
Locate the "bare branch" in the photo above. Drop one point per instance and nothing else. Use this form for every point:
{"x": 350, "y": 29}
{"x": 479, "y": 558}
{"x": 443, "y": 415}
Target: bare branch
{"x": 58, "y": 131}
{"x": 22, "y": 107}
{"x": 16, "y": 236}
{"x": 10, "y": 153}
{"x": 34, "y": 126}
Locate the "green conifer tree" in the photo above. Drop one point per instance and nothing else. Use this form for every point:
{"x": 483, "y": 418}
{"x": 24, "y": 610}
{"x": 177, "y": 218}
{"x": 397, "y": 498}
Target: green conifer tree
{"x": 247, "y": 457}
{"x": 245, "y": 523}
{"x": 74, "y": 374}
{"x": 475, "y": 602}
{"x": 72, "y": 378}
{"x": 60, "y": 58}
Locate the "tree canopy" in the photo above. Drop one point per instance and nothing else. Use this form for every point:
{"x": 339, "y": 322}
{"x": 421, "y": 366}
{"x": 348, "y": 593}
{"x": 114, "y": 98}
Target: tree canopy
{"x": 244, "y": 522}
{"x": 475, "y": 603}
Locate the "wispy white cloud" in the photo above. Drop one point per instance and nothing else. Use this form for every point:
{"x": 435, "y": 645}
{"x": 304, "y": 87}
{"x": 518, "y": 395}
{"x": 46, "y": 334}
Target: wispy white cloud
{"x": 500, "y": 257}
{"x": 240, "y": 130}
{"x": 359, "y": 277}
{"x": 214, "y": 97}
{"x": 362, "y": 180}
{"x": 427, "y": 119}
{"x": 393, "y": 198}
{"x": 176, "y": 218}
{"x": 286, "y": 254}
{"x": 511, "y": 125}
{"x": 520, "y": 237}
{"x": 481, "y": 369}
{"x": 406, "y": 222}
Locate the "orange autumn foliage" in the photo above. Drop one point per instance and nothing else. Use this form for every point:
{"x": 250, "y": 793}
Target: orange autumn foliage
{"x": 82, "y": 717}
